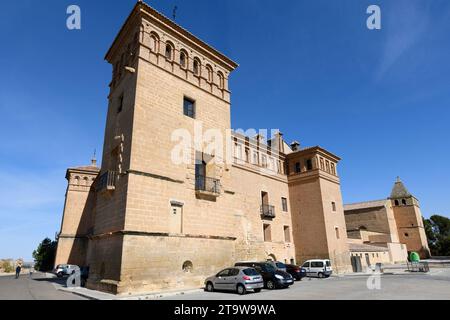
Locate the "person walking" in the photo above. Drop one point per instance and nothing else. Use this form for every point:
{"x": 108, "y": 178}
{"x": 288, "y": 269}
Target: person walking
{"x": 18, "y": 270}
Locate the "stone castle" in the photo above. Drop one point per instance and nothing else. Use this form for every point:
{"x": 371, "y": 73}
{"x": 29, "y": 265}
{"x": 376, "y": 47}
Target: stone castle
{"x": 144, "y": 222}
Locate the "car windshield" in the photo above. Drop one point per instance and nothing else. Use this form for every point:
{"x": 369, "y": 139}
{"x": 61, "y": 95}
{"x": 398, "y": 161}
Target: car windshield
{"x": 268, "y": 267}
{"x": 281, "y": 265}
{"x": 251, "y": 272}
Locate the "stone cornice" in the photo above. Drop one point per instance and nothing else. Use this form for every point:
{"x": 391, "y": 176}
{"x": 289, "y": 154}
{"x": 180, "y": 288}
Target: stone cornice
{"x": 141, "y": 9}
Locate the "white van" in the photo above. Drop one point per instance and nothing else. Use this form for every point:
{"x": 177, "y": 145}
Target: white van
{"x": 318, "y": 268}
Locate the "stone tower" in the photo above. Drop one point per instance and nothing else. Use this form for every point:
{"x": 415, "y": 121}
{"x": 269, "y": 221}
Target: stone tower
{"x": 78, "y": 215}
{"x": 409, "y": 220}
{"x": 157, "y": 210}
{"x": 318, "y": 219}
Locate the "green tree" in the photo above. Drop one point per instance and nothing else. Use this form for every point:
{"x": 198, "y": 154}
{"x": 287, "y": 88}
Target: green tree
{"x": 44, "y": 255}
{"x": 437, "y": 229}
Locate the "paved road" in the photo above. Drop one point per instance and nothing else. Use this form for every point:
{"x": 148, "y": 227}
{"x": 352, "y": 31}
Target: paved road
{"x": 36, "y": 288}
{"x": 393, "y": 287}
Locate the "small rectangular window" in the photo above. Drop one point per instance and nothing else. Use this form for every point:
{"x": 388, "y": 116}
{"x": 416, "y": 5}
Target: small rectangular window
{"x": 333, "y": 205}
{"x": 284, "y": 204}
{"x": 267, "y": 233}
{"x": 189, "y": 108}
{"x": 287, "y": 234}
{"x": 337, "y": 233}
{"x": 298, "y": 167}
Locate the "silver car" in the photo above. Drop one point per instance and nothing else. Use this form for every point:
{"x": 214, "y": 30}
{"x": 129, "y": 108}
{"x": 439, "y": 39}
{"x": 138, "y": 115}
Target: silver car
{"x": 239, "y": 279}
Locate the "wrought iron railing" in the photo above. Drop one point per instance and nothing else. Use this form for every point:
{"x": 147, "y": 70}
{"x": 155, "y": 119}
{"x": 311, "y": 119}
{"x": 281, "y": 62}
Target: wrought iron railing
{"x": 268, "y": 211}
{"x": 107, "y": 181}
{"x": 207, "y": 184}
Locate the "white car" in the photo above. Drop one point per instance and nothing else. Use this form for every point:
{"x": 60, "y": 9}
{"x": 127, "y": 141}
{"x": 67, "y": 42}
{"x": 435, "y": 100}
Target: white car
{"x": 62, "y": 270}
{"x": 318, "y": 268}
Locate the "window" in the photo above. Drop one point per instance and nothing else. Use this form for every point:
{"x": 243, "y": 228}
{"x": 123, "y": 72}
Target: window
{"x": 327, "y": 166}
{"x": 234, "y": 272}
{"x": 397, "y": 203}
{"x": 287, "y": 234}
{"x": 267, "y": 233}
{"x": 238, "y": 151}
{"x": 333, "y": 205}
{"x": 250, "y": 272}
{"x": 183, "y": 59}
{"x": 255, "y": 158}
{"x": 284, "y": 204}
{"x": 169, "y": 51}
{"x": 188, "y": 266}
{"x": 298, "y": 168}
{"x": 247, "y": 155}
{"x": 154, "y": 42}
{"x": 189, "y": 108}
{"x": 322, "y": 167}
{"x": 407, "y": 235}
{"x": 404, "y": 202}
{"x": 264, "y": 161}
{"x": 317, "y": 264}
{"x": 221, "y": 80}
{"x": 309, "y": 164}
{"x": 209, "y": 73}
{"x": 196, "y": 67}
{"x": 224, "y": 273}
{"x": 333, "y": 169}
{"x": 337, "y": 233}
{"x": 120, "y": 107}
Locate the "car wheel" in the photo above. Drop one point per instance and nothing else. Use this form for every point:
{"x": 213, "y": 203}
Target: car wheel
{"x": 257, "y": 290}
{"x": 209, "y": 287}
{"x": 321, "y": 275}
{"x": 270, "y": 285}
{"x": 241, "y": 289}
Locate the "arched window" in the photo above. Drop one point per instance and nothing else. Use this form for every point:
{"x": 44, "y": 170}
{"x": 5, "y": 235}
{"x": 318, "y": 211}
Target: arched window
{"x": 188, "y": 267}
{"x": 209, "y": 70}
{"x": 221, "y": 80}
{"x": 404, "y": 202}
{"x": 397, "y": 203}
{"x": 154, "y": 42}
{"x": 196, "y": 67}
{"x": 183, "y": 59}
{"x": 169, "y": 51}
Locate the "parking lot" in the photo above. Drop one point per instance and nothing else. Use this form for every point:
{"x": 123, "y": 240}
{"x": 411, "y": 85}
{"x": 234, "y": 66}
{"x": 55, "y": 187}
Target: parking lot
{"x": 353, "y": 287}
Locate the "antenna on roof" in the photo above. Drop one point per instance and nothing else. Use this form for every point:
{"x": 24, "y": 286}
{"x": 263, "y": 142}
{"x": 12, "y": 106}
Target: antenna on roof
{"x": 94, "y": 159}
{"x": 174, "y": 12}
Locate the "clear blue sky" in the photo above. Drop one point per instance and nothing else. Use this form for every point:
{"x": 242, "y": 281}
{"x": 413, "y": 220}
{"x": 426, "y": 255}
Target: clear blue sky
{"x": 378, "y": 99}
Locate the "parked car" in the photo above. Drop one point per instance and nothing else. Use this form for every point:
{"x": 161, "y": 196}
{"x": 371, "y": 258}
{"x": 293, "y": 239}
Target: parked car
{"x": 298, "y": 273}
{"x": 62, "y": 270}
{"x": 278, "y": 265}
{"x": 318, "y": 268}
{"x": 239, "y": 279}
{"x": 272, "y": 277}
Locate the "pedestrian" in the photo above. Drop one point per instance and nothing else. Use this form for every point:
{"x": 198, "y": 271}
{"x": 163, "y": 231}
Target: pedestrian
{"x": 18, "y": 270}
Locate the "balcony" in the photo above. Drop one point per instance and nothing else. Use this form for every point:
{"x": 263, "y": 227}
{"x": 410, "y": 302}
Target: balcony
{"x": 268, "y": 211}
{"x": 107, "y": 181}
{"x": 207, "y": 186}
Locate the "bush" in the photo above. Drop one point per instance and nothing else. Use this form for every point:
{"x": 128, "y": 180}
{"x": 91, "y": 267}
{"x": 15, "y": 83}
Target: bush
{"x": 7, "y": 267}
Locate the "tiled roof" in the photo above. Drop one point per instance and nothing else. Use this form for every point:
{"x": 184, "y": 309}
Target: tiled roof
{"x": 399, "y": 190}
